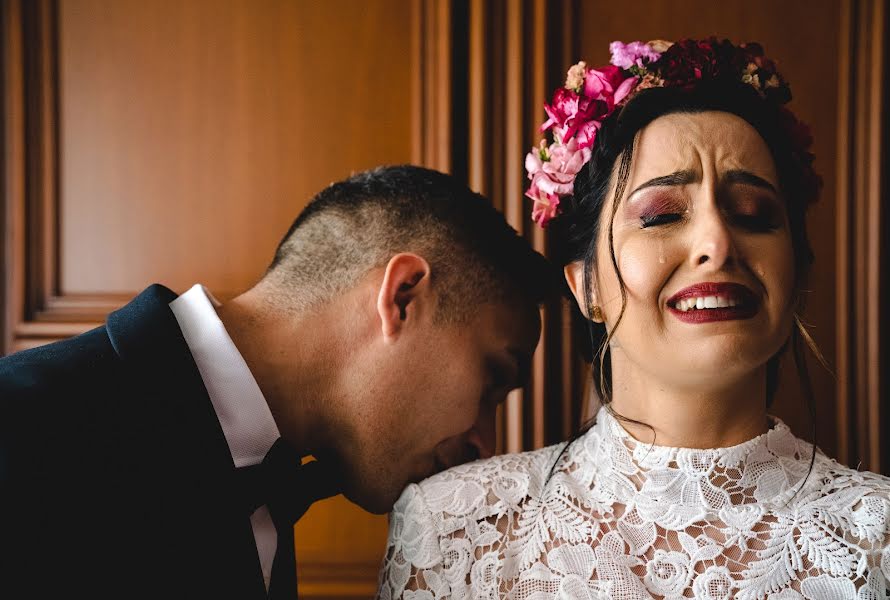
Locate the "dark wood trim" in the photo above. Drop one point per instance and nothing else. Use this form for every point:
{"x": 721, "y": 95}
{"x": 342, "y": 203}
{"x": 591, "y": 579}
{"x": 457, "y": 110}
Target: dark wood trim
{"x": 12, "y": 286}
{"x": 844, "y": 391}
{"x": 862, "y": 132}
{"x": 513, "y": 66}
{"x": 41, "y": 134}
{"x": 35, "y": 310}
{"x": 431, "y": 87}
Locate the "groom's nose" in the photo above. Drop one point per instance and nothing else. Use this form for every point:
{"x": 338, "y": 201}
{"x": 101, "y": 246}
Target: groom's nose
{"x": 480, "y": 440}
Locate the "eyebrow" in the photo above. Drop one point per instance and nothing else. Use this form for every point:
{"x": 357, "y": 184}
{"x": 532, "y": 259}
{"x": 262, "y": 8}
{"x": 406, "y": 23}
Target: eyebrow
{"x": 686, "y": 177}
{"x": 747, "y": 178}
{"x": 678, "y": 178}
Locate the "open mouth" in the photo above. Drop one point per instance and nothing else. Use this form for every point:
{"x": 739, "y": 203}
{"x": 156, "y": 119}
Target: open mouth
{"x": 708, "y": 302}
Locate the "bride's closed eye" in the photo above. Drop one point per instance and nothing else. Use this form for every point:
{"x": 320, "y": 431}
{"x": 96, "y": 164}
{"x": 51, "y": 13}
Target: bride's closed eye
{"x": 662, "y": 219}
{"x": 660, "y": 209}
{"x": 755, "y": 213}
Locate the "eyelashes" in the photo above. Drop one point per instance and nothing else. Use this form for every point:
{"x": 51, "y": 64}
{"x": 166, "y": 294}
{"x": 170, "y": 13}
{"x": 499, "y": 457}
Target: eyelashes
{"x": 662, "y": 219}
{"x": 755, "y": 216}
{"x": 754, "y": 223}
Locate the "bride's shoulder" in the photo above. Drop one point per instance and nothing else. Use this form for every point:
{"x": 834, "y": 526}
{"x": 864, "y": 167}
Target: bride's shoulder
{"x": 833, "y": 476}
{"x": 857, "y": 501}
{"x": 489, "y": 470}
{"x": 480, "y": 489}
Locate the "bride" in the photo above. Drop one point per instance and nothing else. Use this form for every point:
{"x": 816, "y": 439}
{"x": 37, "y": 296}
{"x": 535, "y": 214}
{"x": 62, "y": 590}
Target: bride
{"x": 677, "y": 184}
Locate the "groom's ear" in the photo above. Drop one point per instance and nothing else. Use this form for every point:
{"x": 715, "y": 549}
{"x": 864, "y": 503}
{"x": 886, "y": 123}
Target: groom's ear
{"x": 404, "y": 293}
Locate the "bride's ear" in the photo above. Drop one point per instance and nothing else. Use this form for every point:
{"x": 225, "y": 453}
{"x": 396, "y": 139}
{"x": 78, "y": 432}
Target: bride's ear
{"x": 574, "y": 274}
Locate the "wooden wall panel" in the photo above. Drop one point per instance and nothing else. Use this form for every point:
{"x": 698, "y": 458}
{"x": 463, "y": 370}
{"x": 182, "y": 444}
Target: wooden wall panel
{"x": 192, "y": 133}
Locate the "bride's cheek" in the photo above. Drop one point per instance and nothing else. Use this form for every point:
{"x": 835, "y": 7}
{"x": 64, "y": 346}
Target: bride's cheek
{"x": 643, "y": 268}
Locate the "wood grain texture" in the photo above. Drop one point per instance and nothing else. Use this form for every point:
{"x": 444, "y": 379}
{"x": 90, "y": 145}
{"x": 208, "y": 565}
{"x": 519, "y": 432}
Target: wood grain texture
{"x": 192, "y": 133}
{"x": 862, "y": 228}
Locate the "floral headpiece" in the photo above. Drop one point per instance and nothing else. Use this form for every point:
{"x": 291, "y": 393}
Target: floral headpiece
{"x": 590, "y": 95}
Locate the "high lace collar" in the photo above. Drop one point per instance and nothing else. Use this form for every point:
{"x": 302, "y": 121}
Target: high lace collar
{"x": 767, "y": 468}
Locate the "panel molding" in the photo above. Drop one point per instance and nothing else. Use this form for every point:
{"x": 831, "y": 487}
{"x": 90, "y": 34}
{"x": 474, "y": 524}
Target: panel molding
{"x": 35, "y": 310}
{"x": 861, "y": 225}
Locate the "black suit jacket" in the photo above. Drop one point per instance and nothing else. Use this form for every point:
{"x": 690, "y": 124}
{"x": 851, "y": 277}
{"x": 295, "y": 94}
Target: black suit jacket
{"x": 115, "y": 476}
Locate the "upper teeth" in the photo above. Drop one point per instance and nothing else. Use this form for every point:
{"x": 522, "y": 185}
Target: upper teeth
{"x": 706, "y": 302}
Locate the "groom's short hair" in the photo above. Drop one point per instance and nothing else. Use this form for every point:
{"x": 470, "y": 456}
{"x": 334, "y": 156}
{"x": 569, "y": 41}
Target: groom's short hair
{"x": 358, "y": 224}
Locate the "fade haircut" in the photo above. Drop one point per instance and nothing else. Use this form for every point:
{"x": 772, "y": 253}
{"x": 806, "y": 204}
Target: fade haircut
{"x": 356, "y": 225}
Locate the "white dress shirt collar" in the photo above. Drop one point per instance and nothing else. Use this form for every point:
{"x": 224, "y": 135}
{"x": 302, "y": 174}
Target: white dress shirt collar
{"x": 240, "y": 406}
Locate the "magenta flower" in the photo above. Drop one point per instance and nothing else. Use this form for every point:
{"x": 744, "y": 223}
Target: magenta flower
{"x": 634, "y": 54}
{"x": 569, "y": 111}
{"x": 605, "y": 84}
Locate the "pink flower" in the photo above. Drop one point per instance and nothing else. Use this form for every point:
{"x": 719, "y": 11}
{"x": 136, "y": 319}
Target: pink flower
{"x": 553, "y": 171}
{"x": 634, "y": 54}
{"x": 545, "y": 206}
{"x": 556, "y": 173}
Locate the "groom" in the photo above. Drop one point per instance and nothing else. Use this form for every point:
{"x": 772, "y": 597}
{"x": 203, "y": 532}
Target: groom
{"x": 158, "y": 456}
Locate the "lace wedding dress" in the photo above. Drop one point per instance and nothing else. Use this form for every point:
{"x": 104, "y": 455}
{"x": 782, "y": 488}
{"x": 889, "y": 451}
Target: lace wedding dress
{"x": 621, "y": 519}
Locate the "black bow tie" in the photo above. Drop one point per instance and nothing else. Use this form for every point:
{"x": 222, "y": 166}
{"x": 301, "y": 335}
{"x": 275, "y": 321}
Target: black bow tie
{"x": 288, "y": 489}
{"x": 286, "y": 486}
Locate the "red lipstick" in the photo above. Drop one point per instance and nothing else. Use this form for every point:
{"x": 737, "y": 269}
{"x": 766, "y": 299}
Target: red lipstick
{"x": 710, "y": 302}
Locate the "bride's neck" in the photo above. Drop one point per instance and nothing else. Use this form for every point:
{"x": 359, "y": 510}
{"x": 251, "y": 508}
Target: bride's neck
{"x": 722, "y": 414}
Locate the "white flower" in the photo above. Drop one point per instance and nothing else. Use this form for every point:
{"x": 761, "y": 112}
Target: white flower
{"x": 484, "y": 574}
{"x": 510, "y": 487}
{"x": 714, "y": 584}
{"x": 457, "y": 556}
{"x": 457, "y": 498}
{"x": 667, "y": 574}
{"x": 740, "y": 521}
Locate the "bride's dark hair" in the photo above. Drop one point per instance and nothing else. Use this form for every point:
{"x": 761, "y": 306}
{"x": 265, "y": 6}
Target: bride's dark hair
{"x": 584, "y": 218}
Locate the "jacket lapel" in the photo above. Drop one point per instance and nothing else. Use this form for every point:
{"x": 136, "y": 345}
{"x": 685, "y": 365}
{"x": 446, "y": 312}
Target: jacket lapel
{"x": 197, "y": 463}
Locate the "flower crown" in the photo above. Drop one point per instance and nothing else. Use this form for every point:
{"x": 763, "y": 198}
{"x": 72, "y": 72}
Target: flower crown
{"x": 589, "y": 96}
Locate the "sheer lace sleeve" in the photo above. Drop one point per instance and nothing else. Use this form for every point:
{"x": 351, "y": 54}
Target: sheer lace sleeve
{"x": 413, "y": 563}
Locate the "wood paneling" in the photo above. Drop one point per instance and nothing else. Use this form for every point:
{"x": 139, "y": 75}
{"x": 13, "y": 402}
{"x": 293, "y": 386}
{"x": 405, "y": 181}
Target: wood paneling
{"x": 176, "y": 142}
{"x": 192, "y": 133}
{"x": 862, "y": 226}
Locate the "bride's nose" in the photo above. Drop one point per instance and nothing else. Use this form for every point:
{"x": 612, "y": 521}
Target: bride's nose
{"x": 712, "y": 247}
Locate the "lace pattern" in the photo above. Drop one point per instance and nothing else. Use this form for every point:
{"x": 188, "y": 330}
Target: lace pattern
{"x": 620, "y": 519}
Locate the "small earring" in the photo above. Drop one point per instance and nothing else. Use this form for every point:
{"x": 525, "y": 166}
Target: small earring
{"x": 596, "y": 313}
